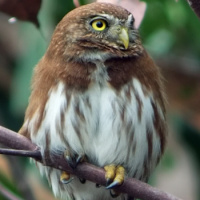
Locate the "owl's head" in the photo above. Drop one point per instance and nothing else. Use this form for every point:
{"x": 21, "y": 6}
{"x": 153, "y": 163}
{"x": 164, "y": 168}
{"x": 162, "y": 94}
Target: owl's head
{"x": 97, "y": 31}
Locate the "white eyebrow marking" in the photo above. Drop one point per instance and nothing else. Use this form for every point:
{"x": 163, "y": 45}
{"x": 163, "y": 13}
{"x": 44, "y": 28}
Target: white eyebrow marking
{"x": 110, "y": 17}
{"x": 129, "y": 20}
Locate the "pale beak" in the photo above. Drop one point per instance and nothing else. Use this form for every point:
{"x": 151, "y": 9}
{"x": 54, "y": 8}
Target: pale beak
{"x": 123, "y": 36}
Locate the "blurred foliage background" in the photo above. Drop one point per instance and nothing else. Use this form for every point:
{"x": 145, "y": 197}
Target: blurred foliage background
{"x": 171, "y": 33}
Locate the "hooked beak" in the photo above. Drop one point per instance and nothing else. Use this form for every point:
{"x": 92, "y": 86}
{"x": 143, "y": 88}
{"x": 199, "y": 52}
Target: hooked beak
{"x": 123, "y": 36}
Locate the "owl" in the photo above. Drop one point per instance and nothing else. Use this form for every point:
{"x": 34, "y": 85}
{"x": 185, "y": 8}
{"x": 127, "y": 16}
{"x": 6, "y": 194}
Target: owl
{"x": 97, "y": 95}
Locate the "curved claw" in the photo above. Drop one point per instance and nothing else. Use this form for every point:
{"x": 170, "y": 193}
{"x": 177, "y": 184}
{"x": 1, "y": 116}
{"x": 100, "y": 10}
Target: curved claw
{"x": 114, "y": 175}
{"x": 67, "y": 181}
{"x": 113, "y": 184}
{"x": 82, "y": 180}
{"x": 70, "y": 161}
{"x": 73, "y": 160}
{"x": 79, "y": 159}
{"x": 108, "y": 181}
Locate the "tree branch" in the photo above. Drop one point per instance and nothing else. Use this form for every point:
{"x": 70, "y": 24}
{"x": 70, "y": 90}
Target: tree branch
{"x": 25, "y": 147}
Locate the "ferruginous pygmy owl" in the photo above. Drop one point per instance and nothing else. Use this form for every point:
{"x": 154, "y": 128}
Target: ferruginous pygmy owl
{"x": 96, "y": 94}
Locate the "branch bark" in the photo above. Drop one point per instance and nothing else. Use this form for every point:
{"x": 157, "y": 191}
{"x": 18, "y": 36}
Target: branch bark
{"x": 21, "y": 146}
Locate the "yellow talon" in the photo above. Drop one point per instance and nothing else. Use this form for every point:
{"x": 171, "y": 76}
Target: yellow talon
{"x": 110, "y": 172}
{"x": 120, "y": 173}
{"x": 114, "y": 175}
{"x": 65, "y": 177}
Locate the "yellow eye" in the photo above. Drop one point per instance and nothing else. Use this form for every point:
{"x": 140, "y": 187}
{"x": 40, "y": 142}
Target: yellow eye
{"x": 99, "y": 25}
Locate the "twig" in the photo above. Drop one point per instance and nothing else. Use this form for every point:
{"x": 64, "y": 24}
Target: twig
{"x": 13, "y": 152}
{"x": 84, "y": 170}
{"x": 15, "y": 141}
{"x": 8, "y": 194}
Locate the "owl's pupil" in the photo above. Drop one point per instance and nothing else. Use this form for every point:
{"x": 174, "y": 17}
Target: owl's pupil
{"x": 99, "y": 24}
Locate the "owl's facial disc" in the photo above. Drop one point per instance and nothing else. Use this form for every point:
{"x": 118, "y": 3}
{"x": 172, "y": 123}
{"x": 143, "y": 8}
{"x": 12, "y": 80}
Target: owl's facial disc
{"x": 114, "y": 30}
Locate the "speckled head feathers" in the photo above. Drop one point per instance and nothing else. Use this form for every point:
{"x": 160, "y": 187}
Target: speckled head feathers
{"x": 75, "y": 32}
{"x": 100, "y": 8}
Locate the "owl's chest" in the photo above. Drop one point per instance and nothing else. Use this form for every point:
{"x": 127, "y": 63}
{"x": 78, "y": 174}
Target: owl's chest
{"x": 100, "y": 122}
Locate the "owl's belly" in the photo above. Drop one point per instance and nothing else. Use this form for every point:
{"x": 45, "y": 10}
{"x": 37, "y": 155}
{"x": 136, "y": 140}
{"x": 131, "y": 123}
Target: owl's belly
{"x": 107, "y": 126}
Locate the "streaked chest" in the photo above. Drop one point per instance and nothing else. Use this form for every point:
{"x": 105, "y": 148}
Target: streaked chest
{"x": 98, "y": 121}
{"x": 108, "y": 125}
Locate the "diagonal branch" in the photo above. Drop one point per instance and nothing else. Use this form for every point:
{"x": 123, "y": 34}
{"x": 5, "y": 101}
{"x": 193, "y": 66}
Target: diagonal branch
{"x": 13, "y": 152}
{"x": 84, "y": 170}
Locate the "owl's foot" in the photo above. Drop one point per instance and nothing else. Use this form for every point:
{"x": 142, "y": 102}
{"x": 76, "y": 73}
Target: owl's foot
{"x": 73, "y": 160}
{"x": 114, "y": 175}
{"x": 65, "y": 178}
